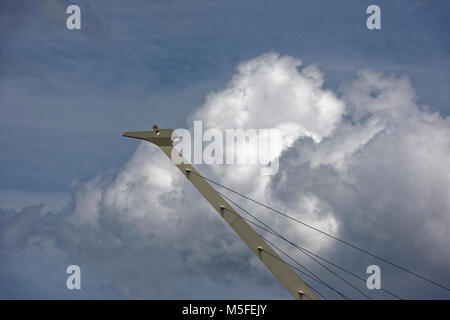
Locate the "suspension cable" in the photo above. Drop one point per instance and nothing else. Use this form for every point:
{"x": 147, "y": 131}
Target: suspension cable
{"x": 328, "y": 234}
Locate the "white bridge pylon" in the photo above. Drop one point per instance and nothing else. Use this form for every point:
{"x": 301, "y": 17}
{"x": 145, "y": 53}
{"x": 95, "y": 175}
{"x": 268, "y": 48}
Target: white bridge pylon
{"x": 280, "y": 269}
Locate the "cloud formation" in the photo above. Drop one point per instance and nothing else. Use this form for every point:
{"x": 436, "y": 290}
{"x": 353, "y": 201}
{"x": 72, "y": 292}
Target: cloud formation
{"x": 367, "y": 163}
{"x": 383, "y": 174}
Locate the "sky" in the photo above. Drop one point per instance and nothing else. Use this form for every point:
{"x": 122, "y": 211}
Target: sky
{"x": 367, "y": 111}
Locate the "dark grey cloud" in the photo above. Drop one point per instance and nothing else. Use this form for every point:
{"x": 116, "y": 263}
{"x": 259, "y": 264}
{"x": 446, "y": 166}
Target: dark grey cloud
{"x": 66, "y": 97}
{"x": 375, "y": 179}
{"x": 135, "y": 246}
{"x": 386, "y": 188}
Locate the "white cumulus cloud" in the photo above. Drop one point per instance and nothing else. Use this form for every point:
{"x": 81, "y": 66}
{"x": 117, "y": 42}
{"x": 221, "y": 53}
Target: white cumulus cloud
{"x": 368, "y": 164}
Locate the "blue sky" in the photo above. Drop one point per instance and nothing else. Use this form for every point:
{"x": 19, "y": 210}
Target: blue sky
{"x": 155, "y": 61}
{"x": 66, "y": 96}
